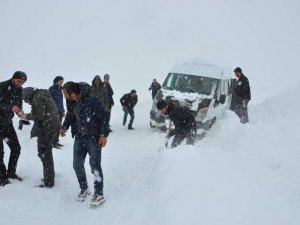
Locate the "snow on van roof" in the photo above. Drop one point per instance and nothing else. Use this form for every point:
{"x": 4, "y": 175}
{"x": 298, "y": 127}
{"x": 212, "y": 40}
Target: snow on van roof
{"x": 203, "y": 69}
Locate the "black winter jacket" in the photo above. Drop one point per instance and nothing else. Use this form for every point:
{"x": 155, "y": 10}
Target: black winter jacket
{"x": 9, "y": 97}
{"x": 92, "y": 116}
{"x": 128, "y": 101}
{"x": 182, "y": 118}
{"x": 243, "y": 88}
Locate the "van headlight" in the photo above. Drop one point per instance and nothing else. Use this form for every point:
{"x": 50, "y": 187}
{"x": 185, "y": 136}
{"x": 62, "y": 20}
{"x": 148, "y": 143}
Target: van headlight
{"x": 201, "y": 114}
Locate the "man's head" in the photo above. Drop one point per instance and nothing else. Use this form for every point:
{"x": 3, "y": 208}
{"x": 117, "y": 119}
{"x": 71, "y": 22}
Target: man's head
{"x": 162, "y": 106}
{"x": 106, "y": 78}
{"x": 154, "y": 81}
{"x": 133, "y": 93}
{"x": 71, "y": 91}
{"x": 97, "y": 80}
{"x": 18, "y": 79}
{"x": 238, "y": 72}
{"x": 27, "y": 94}
{"x": 59, "y": 80}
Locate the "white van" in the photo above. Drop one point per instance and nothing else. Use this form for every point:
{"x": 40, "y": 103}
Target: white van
{"x": 205, "y": 89}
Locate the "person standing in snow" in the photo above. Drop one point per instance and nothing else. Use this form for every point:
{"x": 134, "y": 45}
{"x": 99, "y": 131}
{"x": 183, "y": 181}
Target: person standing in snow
{"x": 89, "y": 126}
{"x": 183, "y": 120}
{"x": 46, "y": 125}
{"x": 243, "y": 95}
{"x": 106, "y": 96}
{"x": 128, "y": 101}
{"x": 57, "y": 94}
{"x": 10, "y": 103}
{"x": 105, "y": 93}
{"x": 155, "y": 87}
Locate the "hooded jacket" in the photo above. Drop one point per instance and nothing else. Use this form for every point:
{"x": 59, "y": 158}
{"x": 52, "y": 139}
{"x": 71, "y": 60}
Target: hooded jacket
{"x": 43, "y": 112}
{"x": 93, "y": 119}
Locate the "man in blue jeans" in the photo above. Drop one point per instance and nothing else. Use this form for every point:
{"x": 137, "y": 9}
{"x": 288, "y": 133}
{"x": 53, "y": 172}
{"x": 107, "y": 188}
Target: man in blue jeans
{"x": 89, "y": 126}
{"x": 128, "y": 102}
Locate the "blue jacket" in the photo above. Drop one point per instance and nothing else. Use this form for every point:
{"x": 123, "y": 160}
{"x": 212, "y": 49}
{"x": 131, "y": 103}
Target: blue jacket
{"x": 91, "y": 113}
{"x": 57, "y": 95}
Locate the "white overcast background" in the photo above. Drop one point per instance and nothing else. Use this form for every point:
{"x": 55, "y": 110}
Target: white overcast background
{"x": 135, "y": 41}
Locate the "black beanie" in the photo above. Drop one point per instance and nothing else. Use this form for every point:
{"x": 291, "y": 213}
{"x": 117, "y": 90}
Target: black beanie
{"x": 58, "y": 78}
{"x": 161, "y": 104}
{"x": 238, "y": 70}
{"x": 20, "y": 75}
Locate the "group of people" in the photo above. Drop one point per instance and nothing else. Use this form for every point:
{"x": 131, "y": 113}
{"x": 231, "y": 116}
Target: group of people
{"x": 88, "y": 115}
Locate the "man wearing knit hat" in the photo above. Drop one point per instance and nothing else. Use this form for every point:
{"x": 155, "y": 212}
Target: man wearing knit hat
{"x": 57, "y": 94}
{"x": 10, "y": 103}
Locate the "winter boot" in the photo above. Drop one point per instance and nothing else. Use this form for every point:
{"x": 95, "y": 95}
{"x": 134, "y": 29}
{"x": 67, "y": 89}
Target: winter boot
{"x": 82, "y": 195}
{"x": 15, "y": 176}
{"x": 97, "y": 200}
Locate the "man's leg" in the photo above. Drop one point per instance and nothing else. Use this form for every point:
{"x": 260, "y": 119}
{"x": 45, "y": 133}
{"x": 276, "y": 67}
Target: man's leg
{"x": 244, "y": 112}
{"x": 80, "y": 151}
{"x": 131, "y": 112}
{"x": 125, "y": 116}
{"x": 178, "y": 138}
{"x": 3, "y": 177}
{"x": 95, "y": 162}
{"x": 15, "y": 150}
{"x": 45, "y": 154}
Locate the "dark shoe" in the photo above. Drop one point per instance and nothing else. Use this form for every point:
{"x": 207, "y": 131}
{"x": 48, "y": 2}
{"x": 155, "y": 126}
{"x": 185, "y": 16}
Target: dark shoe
{"x": 4, "y": 182}
{"x": 59, "y": 145}
{"x": 15, "y": 176}
{"x": 124, "y": 123}
{"x": 56, "y": 146}
{"x": 130, "y": 128}
{"x": 43, "y": 185}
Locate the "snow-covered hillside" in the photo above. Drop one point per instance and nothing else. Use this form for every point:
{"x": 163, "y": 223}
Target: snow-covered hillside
{"x": 238, "y": 174}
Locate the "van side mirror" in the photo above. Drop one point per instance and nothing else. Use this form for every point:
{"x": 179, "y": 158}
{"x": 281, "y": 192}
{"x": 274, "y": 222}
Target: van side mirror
{"x": 222, "y": 99}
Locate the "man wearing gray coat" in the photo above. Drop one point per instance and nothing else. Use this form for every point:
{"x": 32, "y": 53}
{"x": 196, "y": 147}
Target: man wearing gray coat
{"x": 46, "y": 125}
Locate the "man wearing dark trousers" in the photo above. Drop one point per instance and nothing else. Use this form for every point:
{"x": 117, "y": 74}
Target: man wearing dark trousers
{"x": 10, "y": 103}
{"x": 57, "y": 94}
{"x": 243, "y": 95}
{"x": 155, "y": 87}
{"x": 183, "y": 120}
{"x": 46, "y": 125}
{"x": 89, "y": 125}
{"x": 128, "y": 101}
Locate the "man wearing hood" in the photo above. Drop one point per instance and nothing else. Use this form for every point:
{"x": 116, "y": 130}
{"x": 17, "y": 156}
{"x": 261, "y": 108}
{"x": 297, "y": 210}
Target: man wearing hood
{"x": 89, "y": 126}
{"x": 57, "y": 94}
{"x": 46, "y": 125}
{"x": 10, "y": 103}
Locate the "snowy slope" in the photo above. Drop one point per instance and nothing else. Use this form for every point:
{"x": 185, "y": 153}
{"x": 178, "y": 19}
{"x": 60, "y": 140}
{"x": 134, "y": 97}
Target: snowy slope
{"x": 239, "y": 174}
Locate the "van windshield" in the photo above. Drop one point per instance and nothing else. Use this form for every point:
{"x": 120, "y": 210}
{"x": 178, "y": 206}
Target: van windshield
{"x": 190, "y": 83}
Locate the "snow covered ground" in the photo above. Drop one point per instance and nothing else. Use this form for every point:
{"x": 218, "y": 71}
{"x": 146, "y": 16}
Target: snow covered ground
{"x": 238, "y": 174}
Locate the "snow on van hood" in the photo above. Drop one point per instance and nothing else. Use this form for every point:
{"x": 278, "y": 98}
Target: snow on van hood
{"x": 193, "y": 99}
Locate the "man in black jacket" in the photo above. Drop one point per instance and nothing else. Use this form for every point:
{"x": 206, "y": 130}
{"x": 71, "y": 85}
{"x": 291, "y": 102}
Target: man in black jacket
{"x": 10, "y": 103}
{"x": 243, "y": 95}
{"x": 183, "y": 120}
{"x": 155, "y": 87}
{"x": 128, "y": 101}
